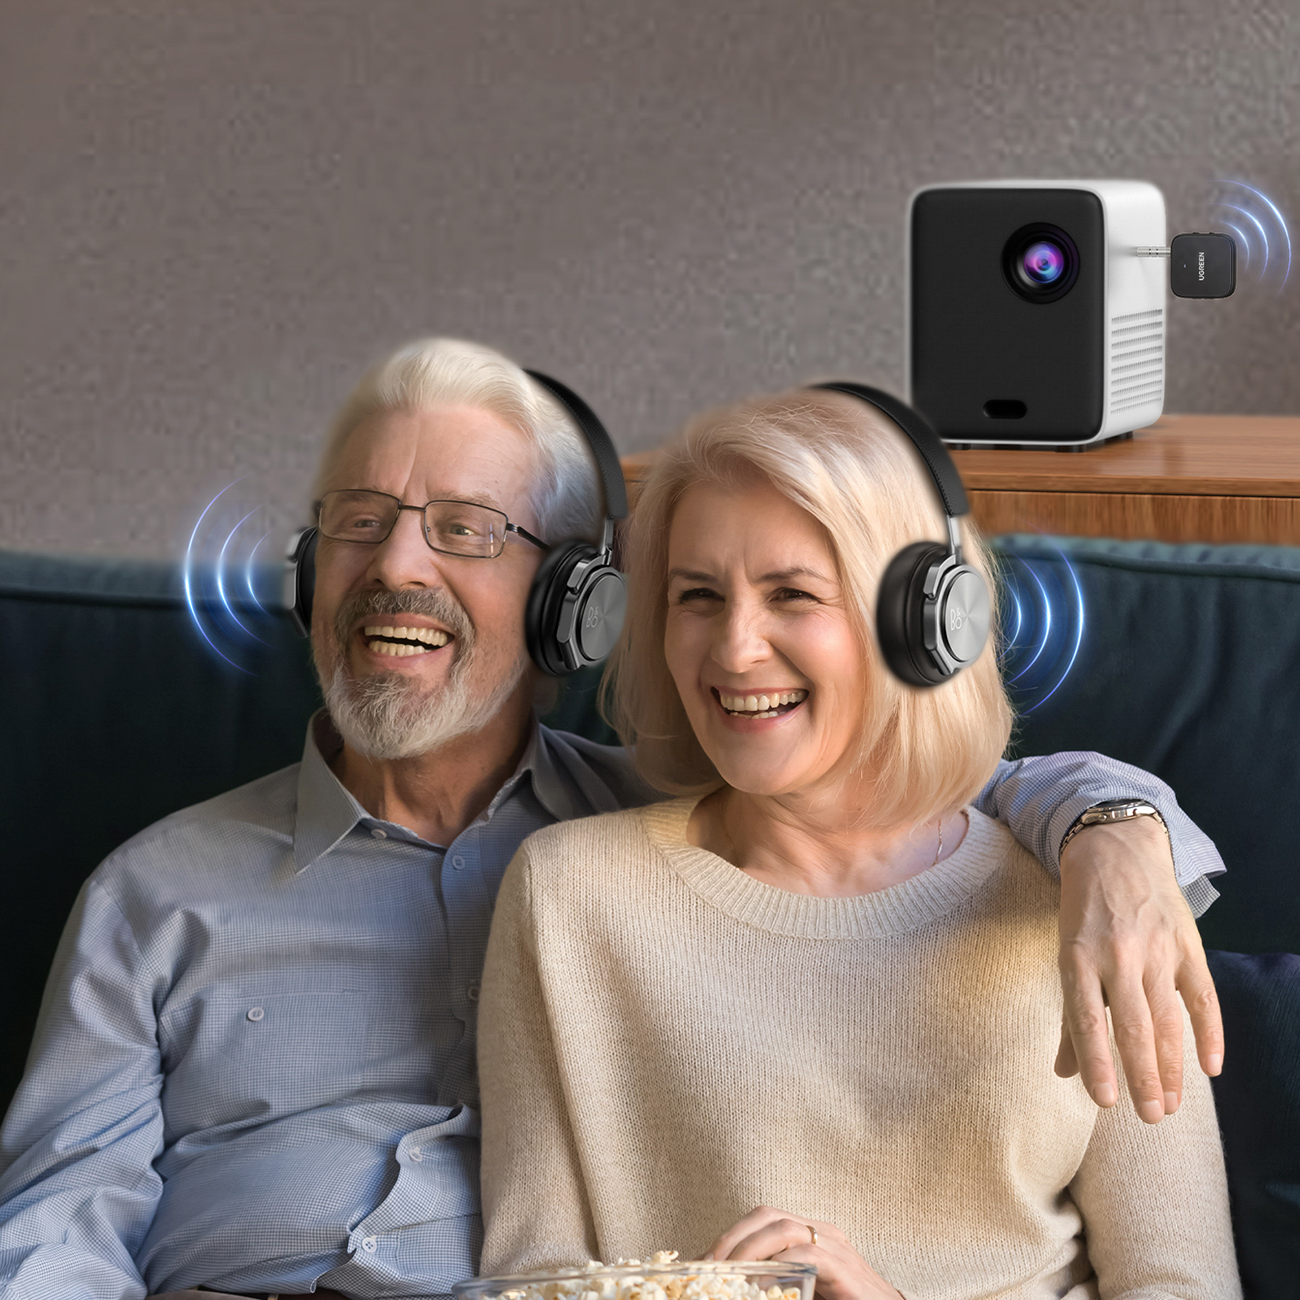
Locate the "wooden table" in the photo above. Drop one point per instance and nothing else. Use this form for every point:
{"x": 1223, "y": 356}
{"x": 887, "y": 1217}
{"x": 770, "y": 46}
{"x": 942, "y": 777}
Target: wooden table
{"x": 1188, "y": 478}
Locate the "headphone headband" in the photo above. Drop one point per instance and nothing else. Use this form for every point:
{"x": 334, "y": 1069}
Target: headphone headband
{"x": 926, "y": 441}
{"x": 602, "y": 447}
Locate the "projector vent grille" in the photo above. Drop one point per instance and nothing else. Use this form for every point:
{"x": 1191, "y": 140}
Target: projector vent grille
{"x": 1137, "y": 359}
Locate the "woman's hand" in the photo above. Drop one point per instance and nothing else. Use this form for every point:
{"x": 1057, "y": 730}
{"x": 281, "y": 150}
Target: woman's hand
{"x": 842, "y": 1274}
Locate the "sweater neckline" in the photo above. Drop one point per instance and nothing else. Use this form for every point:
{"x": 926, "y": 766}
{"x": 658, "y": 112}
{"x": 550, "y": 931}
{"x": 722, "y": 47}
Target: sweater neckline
{"x": 903, "y": 908}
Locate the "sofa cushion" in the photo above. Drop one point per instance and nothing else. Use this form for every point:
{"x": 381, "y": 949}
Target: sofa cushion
{"x": 1187, "y": 667}
{"x": 115, "y": 714}
{"x": 1258, "y": 1100}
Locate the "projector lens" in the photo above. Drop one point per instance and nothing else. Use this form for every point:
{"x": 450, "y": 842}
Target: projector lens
{"x": 1040, "y": 263}
{"x": 1043, "y": 262}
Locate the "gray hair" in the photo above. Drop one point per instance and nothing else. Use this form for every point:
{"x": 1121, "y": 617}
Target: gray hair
{"x": 566, "y": 495}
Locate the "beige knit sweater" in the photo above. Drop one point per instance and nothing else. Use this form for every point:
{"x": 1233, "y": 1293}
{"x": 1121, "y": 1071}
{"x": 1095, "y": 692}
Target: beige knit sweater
{"x": 666, "y": 1043}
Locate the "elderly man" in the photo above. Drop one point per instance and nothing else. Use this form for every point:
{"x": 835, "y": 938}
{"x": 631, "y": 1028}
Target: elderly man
{"x": 254, "y": 1070}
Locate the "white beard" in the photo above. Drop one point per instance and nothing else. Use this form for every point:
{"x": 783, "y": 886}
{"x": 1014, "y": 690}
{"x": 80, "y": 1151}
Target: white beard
{"x": 384, "y": 715}
{"x": 390, "y": 716}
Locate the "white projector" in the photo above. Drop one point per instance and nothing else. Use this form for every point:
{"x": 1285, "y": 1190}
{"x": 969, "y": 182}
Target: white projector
{"x": 1033, "y": 321}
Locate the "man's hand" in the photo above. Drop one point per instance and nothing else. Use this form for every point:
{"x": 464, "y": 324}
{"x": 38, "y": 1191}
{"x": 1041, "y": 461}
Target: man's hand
{"x": 1128, "y": 939}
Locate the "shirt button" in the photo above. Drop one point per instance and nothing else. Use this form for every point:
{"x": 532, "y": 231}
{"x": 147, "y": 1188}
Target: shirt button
{"x": 416, "y": 1154}
{"x": 255, "y": 1013}
{"x": 369, "y": 1245}
{"x": 472, "y": 992}
{"x": 458, "y": 862}
{"x": 378, "y": 833}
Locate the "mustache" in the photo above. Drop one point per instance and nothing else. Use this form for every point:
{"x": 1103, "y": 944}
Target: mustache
{"x": 432, "y": 602}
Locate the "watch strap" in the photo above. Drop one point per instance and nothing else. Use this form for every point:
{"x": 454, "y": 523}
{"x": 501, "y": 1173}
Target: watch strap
{"x": 1110, "y": 812}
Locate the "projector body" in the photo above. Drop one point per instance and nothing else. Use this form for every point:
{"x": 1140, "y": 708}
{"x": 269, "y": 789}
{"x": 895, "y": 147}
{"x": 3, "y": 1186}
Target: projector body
{"x": 1031, "y": 320}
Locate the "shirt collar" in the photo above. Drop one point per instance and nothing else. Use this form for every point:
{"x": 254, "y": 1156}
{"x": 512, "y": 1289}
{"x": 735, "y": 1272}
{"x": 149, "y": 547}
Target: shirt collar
{"x": 327, "y": 810}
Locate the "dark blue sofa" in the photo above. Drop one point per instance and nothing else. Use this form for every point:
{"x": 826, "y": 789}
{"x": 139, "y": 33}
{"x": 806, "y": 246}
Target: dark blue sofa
{"x": 1187, "y": 662}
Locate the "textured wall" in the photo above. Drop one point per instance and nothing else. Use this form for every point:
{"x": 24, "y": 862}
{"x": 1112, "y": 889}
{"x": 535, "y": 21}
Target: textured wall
{"x": 214, "y": 214}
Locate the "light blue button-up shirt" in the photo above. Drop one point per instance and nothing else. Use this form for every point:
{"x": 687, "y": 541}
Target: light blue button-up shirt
{"x": 254, "y": 1066}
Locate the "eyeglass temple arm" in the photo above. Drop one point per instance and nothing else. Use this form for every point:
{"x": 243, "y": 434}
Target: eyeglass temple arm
{"x": 526, "y": 535}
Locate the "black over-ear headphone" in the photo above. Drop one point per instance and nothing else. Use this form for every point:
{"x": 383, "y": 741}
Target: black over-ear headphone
{"x": 933, "y": 609}
{"x": 578, "y": 598}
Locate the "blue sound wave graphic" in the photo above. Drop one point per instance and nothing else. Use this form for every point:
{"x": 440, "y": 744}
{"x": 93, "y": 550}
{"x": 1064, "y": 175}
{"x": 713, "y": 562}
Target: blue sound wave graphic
{"x": 1260, "y": 230}
{"x": 1043, "y": 623}
{"x": 219, "y": 577}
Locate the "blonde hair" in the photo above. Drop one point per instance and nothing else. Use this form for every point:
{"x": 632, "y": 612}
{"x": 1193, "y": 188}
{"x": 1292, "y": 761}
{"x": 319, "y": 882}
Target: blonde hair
{"x": 566, "y": 493}
{"x": 851, "y": 468}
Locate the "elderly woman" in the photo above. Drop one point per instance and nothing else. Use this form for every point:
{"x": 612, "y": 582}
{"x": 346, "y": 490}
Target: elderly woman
{"x": 778, "y": 990}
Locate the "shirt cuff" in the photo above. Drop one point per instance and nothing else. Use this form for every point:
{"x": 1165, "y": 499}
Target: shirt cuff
{"x": 1195, "y": 857}
{"x": 1199, "y": 894}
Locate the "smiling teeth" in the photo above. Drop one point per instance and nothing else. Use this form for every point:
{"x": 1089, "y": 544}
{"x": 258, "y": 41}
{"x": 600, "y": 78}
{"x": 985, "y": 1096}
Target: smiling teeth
{"x": 761, "y": 704}
{"x": 414, "y": 640}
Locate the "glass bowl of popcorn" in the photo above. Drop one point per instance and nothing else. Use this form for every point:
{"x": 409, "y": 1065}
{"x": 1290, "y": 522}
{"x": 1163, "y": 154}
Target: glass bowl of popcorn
{"x": 661, "y": 1277}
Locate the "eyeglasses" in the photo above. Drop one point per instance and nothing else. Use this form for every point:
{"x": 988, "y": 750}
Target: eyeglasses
{"x": 450, "y": 527}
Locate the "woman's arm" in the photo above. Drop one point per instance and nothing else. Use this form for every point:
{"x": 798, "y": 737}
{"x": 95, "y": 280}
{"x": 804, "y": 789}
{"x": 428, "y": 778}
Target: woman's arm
{"x": 535, "y": 1210}
{"x": 1155, "y": 1203}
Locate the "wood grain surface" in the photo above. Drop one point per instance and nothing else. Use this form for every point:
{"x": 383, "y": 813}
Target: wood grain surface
{"x": 1154, "y": 516}
{"x": 1188, "y": 478}
{"x": 1217, "y": 455}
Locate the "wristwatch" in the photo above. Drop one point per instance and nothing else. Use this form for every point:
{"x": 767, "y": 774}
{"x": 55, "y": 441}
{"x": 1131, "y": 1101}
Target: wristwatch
{"x": 1111, "y": 810}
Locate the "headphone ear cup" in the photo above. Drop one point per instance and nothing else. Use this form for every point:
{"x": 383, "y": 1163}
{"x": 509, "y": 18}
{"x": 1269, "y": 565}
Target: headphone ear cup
{"x": 300, "y": 578}
{"x": 599, "y": 612}
{"x": 899, "y": 608}
{"x": 546, "y": 601}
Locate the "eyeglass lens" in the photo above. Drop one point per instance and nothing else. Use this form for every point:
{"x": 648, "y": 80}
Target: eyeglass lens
{"x": 456, "y": 527}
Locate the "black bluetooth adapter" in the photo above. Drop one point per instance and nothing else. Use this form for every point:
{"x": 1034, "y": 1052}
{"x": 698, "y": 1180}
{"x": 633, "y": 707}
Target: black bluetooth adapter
{"x": 1202, "y": 266}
